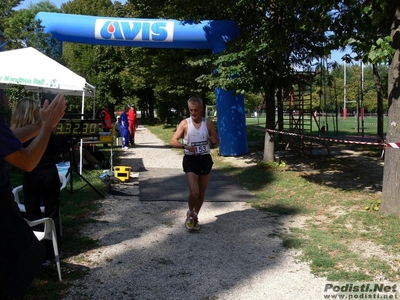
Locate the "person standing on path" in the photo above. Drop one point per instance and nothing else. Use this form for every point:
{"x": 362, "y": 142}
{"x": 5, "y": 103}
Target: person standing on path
{"x": 124, "y": 123}
{"x": 132, "y": 123}
{"x": 198, "y": 134}
{"x": 105, "y": 118}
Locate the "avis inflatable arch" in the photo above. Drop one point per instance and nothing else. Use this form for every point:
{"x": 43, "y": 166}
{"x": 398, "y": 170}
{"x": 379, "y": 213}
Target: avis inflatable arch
{"x": 162, "y": 33}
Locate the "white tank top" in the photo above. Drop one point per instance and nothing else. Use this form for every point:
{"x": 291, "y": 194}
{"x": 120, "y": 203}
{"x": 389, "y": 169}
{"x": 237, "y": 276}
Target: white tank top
{"x": 197, "y": 138}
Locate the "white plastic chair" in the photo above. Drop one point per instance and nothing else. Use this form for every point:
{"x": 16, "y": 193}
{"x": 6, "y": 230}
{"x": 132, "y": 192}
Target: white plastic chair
{"x": 21, "y": 206}
{"x": 49, "y": 233}
{"x": 64, "y": 173}
{"x": 63, "y": 180}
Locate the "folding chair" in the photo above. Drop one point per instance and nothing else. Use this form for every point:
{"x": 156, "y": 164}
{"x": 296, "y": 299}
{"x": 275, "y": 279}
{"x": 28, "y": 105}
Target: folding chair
{"x": 21, "y": 206}
{"x": 49, "y": 233}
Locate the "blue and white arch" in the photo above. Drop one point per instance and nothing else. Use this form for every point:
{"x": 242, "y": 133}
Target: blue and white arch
{"x": 162, "y": 33}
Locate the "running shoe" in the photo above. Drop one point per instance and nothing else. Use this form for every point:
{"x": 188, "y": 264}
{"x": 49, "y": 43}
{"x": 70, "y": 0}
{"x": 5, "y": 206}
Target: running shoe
{"x": 189, "y": 220}
{"x": 195, "y": 226}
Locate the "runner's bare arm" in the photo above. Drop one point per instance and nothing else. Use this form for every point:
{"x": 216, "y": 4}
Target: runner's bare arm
{"x": 179, "y": 134}
{"x": 214, "y": 139}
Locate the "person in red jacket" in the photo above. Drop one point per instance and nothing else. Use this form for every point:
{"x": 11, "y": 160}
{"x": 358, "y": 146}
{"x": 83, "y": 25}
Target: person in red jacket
{"x": 105, "y": 118}
{"x": 132, "y": 123}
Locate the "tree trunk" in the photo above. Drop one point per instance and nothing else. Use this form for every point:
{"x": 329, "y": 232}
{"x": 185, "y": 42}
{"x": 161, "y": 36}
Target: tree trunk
{"x": 391, "y": 174}
{"x": 151, "y": 100}
{"x": 379, "y": 90}
{"x": 269, "y": 149}
{"x": 279, "y": 99}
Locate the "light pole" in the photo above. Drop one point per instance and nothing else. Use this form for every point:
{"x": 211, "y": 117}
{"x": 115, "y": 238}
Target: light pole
{"x": 2, "y": 93}
{"x": 344, "y": 92}
{"x": 362, "y": 99}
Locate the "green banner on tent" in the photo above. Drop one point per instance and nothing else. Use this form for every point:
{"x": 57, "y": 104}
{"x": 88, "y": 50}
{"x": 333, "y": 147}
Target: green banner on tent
{"x": 28, "y": 81}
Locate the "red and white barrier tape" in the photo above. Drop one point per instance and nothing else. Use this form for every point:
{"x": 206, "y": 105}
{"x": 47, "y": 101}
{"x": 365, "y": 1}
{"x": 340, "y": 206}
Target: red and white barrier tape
{"x": 392, "y": 145}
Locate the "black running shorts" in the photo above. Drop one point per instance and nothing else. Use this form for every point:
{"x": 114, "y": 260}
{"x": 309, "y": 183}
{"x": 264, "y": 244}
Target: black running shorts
{"x": 198, "y": 164}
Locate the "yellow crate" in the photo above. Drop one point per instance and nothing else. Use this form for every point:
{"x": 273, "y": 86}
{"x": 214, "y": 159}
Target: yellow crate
{"x": 122, "y": 172}
{"x": 106, "y": 139}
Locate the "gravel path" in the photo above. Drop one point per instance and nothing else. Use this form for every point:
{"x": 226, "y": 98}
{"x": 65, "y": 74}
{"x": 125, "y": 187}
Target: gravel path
{"x": 146, "y": 253}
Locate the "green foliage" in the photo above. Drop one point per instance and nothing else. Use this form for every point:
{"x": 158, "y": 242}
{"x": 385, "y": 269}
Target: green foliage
{"x": 273, "y": 165}
{"x": 14, "y": 93}
{"x": 6, "y": 10}
{"x": 91, "y": 8}
{"x": 253, "y": 102}
{"x": 103, "y": 67}
{"x": 353, "y": 83}
{"x": 373, "y": 206}
{"x": 361, "y": 26}
{"x": 21, "y": 29}
{"x": 269, "y": 46}
{"x": 381, "y": 51}
{"x": 271, "y": 43}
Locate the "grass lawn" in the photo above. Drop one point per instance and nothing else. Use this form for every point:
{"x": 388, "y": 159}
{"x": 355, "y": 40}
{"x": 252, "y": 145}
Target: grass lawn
{"x": 348, "y": 126}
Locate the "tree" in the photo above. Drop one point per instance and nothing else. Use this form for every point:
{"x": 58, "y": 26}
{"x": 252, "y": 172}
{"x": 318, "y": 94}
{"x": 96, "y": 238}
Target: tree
{"x": 254, "y": 102}
{"x": 100, "y": 65}
{"x": 377, "y": 38}
{"x": 365, "y": 27}
{"x": 276, "y": 39}
{"x": 124, "y": 75}
{"x": 391, "y": 188}
{"x": 6, "y": 10}
{"x": 22, "y": 30}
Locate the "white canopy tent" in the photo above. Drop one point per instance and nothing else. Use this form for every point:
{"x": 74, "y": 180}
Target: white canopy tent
{"x": 39, "y": 73}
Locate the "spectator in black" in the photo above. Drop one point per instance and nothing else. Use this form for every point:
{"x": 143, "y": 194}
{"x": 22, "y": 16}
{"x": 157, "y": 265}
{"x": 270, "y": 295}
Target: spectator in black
{"x": 21, "y": 254}
{"x": 117, "y": 125}
{"x": 42, "y": 184}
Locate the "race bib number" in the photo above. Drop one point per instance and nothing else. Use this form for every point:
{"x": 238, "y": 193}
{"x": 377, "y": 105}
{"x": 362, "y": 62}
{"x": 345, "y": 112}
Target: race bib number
{"x": 201, "y": 147}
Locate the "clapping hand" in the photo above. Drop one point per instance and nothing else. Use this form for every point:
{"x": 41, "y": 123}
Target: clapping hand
{"x": 52, "y": 113}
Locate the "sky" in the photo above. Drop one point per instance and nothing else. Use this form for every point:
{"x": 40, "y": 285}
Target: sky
{"x": 58, "y": 3}
{"x": 336, "y": 55}
{"x": 25, "y": 3}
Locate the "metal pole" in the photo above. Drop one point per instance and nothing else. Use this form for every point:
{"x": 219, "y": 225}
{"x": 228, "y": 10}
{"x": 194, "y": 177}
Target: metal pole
{"x": 344, "y": 92}
{"x": 362, "y": 100}
{"x": 2, "y": 92}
